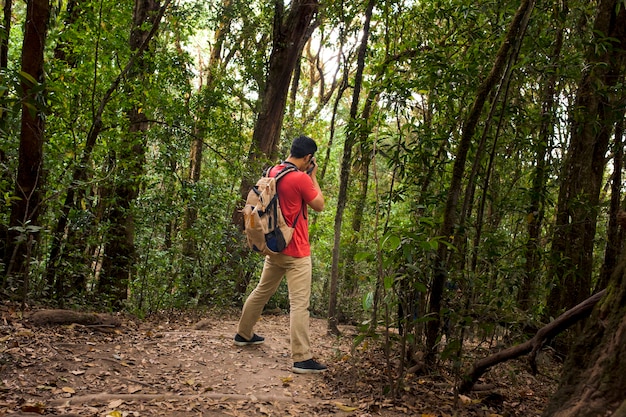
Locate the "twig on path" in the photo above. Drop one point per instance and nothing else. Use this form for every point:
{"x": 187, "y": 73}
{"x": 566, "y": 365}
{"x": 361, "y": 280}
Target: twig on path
{"x": 83, "y": 399}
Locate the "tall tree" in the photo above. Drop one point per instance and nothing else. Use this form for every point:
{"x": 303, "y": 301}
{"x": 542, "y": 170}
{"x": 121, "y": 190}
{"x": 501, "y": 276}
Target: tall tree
{"x": 535, "y": 212}
{"x": 450, "y": 211}
{"x": 80, "y": 169}
{"x": 290, "y": 33}
{"x": 615, "y": 235}
{"x": 26, "y": 208}
{"x": 5, "y": 178}
{"x": 593, "y": 382}
{"x": 119, "y": 251}
{"x": 352, "y": 134}
{"x": 592, "y": 119}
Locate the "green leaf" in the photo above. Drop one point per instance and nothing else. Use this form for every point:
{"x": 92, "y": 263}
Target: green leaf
{"x": 27, "y": 77}
{"x": 389, "y": 280}
{"x": 391, "y": 242}
{"x": 368, "y": 301}
{"x": 363, "y": 256}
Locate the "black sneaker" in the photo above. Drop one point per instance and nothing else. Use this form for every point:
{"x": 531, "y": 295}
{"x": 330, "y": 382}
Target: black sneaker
{"x": 308, "y": 367}
{"x": 256, "y": 340}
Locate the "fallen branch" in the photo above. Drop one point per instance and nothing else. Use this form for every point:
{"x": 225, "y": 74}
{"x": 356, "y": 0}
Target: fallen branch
{"x": 104, "y": 397}
{"x": 533, "y": 345}
{"x": 61, "y": 317}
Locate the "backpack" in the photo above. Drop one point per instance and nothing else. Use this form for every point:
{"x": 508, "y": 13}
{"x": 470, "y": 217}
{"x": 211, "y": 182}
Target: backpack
{"x": 265, "y": 227}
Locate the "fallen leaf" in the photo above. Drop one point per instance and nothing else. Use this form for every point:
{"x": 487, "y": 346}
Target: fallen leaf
{"x": 344, "y": 407}
{"x": 134, "y": 388}
{"x": 38, "y": 408}
{"x": 465, "y": 399}
{"x": 114, "y": 413}
{"x": 69, "y": 390}
{"x": 115, "y": 403}
{"x": 77, "y": 372}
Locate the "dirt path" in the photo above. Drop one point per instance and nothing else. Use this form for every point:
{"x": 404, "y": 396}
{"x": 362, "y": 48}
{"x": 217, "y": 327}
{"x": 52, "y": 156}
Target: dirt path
{"x": 190, "y": 367}
{"x": 160, "y": 369}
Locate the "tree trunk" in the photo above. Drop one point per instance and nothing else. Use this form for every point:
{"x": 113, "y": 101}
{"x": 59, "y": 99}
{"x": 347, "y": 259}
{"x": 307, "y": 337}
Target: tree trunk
{"x": 594, "y": 375}
{"x": 346, "y": 165}
{"x": 24, "y": 212}
{"x": 594, "y": 378}
{"x": 450, "y": 212}
{"x": 593, "y": 116}
{"x": 4, "y": 40}
{"x": 197, "y": 147}
{"x": 79, "y": 172}
{"x": 535, "y": 213}
{"x": 290, "y": 35}
{"x": 4, "y": 176}
{"x": 119, "y": 259}
{"x": 615, "y": 235}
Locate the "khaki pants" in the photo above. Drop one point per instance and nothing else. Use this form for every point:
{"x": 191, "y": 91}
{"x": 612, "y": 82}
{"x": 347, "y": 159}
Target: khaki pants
{"x": 298, "y": 274}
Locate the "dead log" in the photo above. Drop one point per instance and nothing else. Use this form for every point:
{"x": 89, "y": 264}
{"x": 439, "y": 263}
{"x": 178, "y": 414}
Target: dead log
{"x": 61, "y": 317}
{"x": 532, "y": 346}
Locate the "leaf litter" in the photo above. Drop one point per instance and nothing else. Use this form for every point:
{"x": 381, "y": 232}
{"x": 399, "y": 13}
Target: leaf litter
{"x": 185, "y": 365}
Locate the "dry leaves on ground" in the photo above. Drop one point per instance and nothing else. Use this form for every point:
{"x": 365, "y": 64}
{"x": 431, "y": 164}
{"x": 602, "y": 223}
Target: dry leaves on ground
{"x": 185, "y": 366}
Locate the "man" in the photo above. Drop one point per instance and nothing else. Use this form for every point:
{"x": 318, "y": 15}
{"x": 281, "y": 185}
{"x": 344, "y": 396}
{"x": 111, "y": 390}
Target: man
{"x": 296, "y": 191}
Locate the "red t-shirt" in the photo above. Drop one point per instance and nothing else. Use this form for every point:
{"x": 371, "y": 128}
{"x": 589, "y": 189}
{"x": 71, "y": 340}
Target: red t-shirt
{"x": 295, "y": 190}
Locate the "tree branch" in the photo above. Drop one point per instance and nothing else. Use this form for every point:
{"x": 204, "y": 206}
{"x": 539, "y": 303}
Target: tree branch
{"x": 533, "y": 345}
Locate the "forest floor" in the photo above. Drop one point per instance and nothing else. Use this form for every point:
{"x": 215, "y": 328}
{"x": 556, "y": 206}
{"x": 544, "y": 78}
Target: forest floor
{"x": 188, "y": 366}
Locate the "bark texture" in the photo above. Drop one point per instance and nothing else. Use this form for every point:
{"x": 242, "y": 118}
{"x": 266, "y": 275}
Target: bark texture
{"x": 593, "y": 118}
{"x": 119, "y": 254}
{"x": 594, "y": 379}
{"x": 291, "y": 32}
{"x": 30, "y": 169}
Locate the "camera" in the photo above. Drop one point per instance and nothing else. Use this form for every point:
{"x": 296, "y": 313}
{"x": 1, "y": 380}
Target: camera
{"x": 312, "y": 165}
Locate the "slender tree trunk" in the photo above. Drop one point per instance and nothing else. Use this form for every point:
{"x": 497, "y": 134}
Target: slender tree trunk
{"x": 25, "y": 211}
{"x": 363, "y": 167}
{"x": 118, "y": 264}
{"x": 4, "y": 176}
{"x": 450, "y": 212}
{"x": 79, "y": 173}
{"x": 535, "y": 213}
{"x": 197, "y": 147}
{"x": 346, "y": 165}
{"x": 4, "y": 41}
{"x": 593, "y": 117}
{"x": 615, "y": 235}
